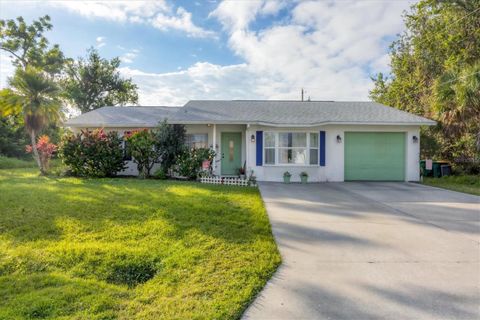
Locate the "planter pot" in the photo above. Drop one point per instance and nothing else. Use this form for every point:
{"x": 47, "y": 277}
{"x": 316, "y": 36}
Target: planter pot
{"x": 304, "y": 179}
{"x": 286, "y": 179}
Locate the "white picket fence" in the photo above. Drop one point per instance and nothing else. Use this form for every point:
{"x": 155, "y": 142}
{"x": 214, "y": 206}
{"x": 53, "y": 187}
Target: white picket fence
{"x": 228, "y": 181}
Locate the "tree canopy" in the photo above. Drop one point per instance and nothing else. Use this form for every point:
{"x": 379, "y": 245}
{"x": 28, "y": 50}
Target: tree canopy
{"x": 35, "y": 96}
{"x": 435, "y": 72}
{"x": 95, "y": 82}
{"x": 44, "y": 81}
{"x": 28, "y": 46}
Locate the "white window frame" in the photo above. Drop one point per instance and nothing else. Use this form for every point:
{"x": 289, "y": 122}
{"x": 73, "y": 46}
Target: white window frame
{"x": 197, "y": 133}
{"x": 308, "y": 148}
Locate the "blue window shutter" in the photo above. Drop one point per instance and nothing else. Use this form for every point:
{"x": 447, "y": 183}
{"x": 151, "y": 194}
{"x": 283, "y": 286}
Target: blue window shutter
{"x": 259, "y": 148}
{"x": 322, "y": 148}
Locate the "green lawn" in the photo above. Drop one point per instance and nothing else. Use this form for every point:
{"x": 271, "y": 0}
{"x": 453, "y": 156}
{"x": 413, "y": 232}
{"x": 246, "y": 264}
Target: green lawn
{"x": 466, "y": 184}
{"x": 14, "y": 163}
{"x": 129, "y": 249}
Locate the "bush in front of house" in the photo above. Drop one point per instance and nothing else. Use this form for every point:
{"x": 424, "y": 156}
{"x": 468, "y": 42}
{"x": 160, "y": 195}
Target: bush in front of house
{"x": 170, "y": 141}
{"x": 142, "y": 147}
{"x": 92, "y": 154}
{"x": 189, "y": 162}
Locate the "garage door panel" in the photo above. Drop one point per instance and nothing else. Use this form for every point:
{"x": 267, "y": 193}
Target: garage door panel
{"x": 375, "y": 156}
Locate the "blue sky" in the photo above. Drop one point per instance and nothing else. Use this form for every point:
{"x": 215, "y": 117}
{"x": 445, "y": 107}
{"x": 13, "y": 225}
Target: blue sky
{"x": 181, "y": 50}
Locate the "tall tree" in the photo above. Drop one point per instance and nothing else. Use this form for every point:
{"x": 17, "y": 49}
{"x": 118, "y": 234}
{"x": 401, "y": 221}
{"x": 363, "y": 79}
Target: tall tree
{"x": 32, "y": 99}
{"x": 28, "y": 46}
{"x": 433, "y": 74}
{"x": 95, "y": 82}
{"x": 34, "y": 95}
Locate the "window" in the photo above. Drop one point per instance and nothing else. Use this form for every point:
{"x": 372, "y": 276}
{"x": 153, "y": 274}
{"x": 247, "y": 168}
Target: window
{"x": 314, "y": 148}
{"x": 197, "y": 140}
{"x": 291, "y": 148}
{"x": 269, "y": 148}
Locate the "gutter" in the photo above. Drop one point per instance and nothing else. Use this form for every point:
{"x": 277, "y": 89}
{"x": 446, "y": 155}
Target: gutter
{"x": 260, "y": 123}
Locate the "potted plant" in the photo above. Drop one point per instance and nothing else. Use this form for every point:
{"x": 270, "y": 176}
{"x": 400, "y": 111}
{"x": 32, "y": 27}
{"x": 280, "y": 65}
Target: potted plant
{"x": 286, "y": 177}
{"x": 242, "y": 172}
{"x": 304, "y": 177}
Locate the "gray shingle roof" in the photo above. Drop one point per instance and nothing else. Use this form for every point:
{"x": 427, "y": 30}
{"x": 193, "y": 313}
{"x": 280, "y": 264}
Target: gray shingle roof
{"x": 122, "y": 117}
{"x": 266, "y": 112}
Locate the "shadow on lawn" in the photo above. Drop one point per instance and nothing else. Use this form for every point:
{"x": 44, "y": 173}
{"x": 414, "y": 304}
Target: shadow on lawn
{"x": 34, "y": 210}
{"x": 39, "y": 296}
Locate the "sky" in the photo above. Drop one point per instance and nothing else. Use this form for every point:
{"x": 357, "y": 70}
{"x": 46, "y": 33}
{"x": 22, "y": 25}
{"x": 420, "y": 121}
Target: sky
{"x": 182, "y": 50}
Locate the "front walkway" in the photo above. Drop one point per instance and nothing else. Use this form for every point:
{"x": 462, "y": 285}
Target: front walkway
{"x": 372, "y": 251}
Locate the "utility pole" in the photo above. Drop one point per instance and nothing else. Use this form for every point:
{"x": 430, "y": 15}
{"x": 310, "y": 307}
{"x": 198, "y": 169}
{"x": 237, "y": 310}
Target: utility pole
{"x": 302, "y": 93}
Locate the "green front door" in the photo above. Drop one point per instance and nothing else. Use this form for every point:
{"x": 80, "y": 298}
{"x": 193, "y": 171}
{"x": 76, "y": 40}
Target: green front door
{"x": 377, "y": 156}
{"x": 231, "y": 149}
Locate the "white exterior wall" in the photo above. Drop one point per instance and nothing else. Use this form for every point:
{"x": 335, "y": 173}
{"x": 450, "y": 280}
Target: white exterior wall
{"x": 190, "y": 129}
{"x": 334, "y": 153}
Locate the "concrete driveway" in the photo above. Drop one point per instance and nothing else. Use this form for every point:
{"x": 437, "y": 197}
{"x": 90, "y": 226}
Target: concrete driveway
{"x": 372, "y": 251}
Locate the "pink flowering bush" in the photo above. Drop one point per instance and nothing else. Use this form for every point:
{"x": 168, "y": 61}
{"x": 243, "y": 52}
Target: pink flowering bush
{"x": 92, "y": 153}
{"x": 45, "y": 151}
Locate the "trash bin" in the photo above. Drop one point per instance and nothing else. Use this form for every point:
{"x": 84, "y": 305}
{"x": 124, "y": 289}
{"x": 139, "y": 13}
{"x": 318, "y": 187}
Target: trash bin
{"x": 446, "y": 170}
{"x": 437, "y": 168}
{"x": 424, "y": 171}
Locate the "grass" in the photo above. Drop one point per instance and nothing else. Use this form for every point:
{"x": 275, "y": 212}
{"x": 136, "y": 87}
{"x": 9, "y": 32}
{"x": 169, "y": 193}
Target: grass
{"x": 14, "y": 163}
{"x": 129, "y": 249}
{"x": 467, "y": 184}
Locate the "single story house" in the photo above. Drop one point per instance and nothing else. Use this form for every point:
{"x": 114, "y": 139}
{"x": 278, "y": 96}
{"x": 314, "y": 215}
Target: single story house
{"x": 330, "y": 140}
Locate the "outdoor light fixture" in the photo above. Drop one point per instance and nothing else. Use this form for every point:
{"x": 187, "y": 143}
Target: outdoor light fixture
{"x": 415, "y": 139}
{"x": 339, "y": 139}
{"x": 252, "y": 138}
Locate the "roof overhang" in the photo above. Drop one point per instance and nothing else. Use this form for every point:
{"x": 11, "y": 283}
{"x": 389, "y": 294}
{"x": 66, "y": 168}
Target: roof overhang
{"x": 260, "y": 123}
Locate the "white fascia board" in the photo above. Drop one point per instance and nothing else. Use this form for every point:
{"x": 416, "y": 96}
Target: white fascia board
{"x": 260, "y": 123}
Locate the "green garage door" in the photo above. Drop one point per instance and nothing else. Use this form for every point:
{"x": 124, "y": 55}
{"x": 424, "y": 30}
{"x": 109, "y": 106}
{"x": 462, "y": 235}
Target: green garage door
{"x": 376, "y": 156}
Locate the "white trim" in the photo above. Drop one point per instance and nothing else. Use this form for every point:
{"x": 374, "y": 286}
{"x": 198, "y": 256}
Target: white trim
{"x": 260, "y": 123}
{"x": 214, "y": 166}
{"x": 277, "y": 148}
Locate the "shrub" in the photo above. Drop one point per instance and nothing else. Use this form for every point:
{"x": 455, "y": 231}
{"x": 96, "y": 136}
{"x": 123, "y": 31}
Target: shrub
{"x": 45, "y": 151}
{"x": 92, "y": 154}
{"x": 190, "y": 161}
{"x": 13, "y": 137}
{"x": 143, "y": 150}
{"x": 160, "y": 174}
{"x": 170, "y": 143}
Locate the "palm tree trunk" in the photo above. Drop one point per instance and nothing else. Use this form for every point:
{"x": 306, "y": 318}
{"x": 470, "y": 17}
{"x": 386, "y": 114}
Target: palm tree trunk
{"x": 35, "y": 151}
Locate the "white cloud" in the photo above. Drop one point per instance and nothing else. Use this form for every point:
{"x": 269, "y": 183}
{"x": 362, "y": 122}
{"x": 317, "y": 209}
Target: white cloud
{"x": 159, "y": 14}
{"x": 324, "y": 46}
{"x": 121, "y": 11}
{"x": 100, "y": 42}
{"x": 238, "y": 15}
{"x": 129, "y": 56}
{"x": 181, "y": 21}
{"x": 327, "y": 48}
{"x": 202, "y": 80}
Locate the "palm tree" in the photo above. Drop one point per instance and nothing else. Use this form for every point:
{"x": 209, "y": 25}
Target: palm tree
{"x": 457, "y": 96}
{"x": 457, "y": 104}
{"x": 36, "y": 97}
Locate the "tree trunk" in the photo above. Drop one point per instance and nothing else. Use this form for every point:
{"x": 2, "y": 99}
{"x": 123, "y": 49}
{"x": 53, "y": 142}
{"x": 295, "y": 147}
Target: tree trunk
{"x": 35, "y": 151}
